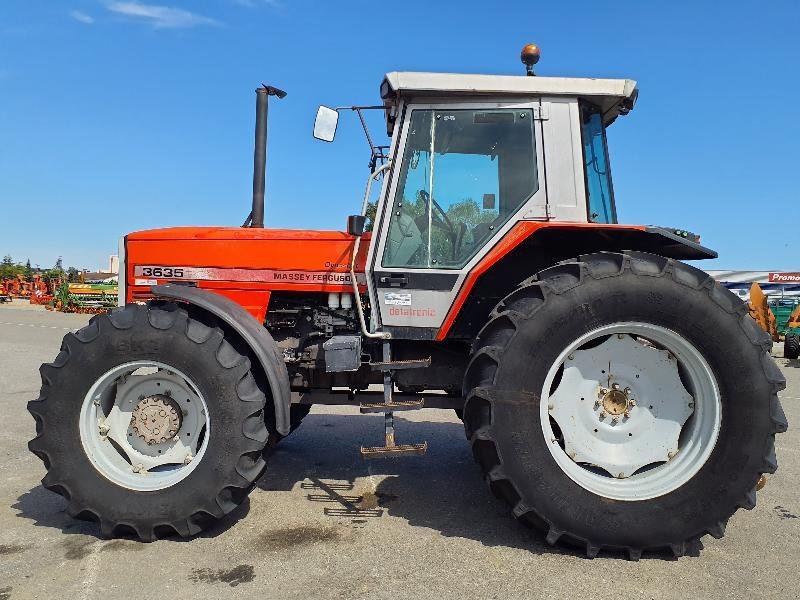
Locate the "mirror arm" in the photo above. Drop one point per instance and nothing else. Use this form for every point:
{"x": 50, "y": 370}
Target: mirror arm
{"x": 377, "y": 153}
{"x": 366, "y": 131}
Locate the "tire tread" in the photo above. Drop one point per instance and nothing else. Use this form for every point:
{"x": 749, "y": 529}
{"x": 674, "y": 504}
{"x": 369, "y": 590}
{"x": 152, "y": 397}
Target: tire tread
{"x": 557, "y": 279}
{"x": 248, "y": 467}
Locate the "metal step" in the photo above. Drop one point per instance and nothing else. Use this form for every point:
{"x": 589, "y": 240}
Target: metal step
{"x": 382, "y": 407}
{"x": 388, "y": 406}
{"x": 399, "y": 365}
{"x": 394, "y": 450}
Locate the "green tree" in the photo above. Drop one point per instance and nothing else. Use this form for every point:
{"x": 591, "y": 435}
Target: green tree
{"x": 28, "y": 271}
{"x": 53, "y": 276}
{"x": 73, "y": 275}
{"x": 9, "y": 269}
{"x": 372, "y": 208}
{"x": 62, "y": 298}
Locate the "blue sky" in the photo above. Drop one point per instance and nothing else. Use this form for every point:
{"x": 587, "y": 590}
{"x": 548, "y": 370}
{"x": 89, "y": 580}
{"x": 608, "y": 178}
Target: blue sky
{"x": 125, "y": 115}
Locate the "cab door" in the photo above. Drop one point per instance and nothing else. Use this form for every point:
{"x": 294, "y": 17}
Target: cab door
{"x": 463, "y": 175}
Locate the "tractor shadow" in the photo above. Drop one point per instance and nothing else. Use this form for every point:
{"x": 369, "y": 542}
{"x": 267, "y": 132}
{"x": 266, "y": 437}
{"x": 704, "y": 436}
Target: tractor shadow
{"x": 442, "y": 490}
{"x": 47, "y": 509}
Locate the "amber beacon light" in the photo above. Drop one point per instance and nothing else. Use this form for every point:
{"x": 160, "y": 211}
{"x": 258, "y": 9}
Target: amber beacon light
{"x": 530, "y": 56}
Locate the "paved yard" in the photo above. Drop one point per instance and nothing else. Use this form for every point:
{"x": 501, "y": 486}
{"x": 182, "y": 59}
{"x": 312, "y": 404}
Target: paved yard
{"x": 325, "y": 524}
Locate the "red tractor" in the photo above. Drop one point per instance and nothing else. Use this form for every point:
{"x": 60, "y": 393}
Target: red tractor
{"x": 614, "y": 396}
{"x": 5, "y": 296}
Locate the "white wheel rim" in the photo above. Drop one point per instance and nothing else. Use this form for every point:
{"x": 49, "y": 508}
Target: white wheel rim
{"x": 115, "y": 449}
{"x": 661, "y": 442}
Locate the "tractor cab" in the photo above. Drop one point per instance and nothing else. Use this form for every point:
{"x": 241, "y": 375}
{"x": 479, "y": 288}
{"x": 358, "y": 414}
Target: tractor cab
{"x": 481, "y": 147}
{"x": 471, "y": 157}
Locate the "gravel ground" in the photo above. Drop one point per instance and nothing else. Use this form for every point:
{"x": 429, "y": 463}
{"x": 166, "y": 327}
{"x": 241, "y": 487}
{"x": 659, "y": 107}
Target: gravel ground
{"x": 324, "y": 524}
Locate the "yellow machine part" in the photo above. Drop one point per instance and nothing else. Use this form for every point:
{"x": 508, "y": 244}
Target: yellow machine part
{"x": 85, "y": 288}
{"x": 760, "y": 311}
{"x": 794, "y": 318}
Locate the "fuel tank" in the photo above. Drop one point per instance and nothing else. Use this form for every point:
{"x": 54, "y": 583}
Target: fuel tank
{"x": 244, "y": 264}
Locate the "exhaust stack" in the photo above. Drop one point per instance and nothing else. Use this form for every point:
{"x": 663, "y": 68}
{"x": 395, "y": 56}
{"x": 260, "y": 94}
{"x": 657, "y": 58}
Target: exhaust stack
{"x": 256, "y": 218}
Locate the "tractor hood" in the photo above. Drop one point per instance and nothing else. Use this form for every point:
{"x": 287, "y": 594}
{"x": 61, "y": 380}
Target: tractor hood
{"x": 249, "y": 260}
{"x": 243, "y": 248}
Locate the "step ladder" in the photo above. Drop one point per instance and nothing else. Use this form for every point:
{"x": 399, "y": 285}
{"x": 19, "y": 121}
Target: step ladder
{"x": 389, "y": 406}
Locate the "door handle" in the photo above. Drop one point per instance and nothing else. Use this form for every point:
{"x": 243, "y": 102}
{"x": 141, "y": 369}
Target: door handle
{"x": 394, "y": 280}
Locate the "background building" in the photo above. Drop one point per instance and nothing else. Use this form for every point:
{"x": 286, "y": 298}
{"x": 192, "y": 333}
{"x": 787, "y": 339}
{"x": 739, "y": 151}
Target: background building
{"x": 773, "y": 283}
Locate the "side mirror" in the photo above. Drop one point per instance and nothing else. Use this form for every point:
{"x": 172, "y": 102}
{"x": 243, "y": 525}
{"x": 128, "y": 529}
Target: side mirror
{"x": 325, "y": 124}
{"x": 355, "y": 225}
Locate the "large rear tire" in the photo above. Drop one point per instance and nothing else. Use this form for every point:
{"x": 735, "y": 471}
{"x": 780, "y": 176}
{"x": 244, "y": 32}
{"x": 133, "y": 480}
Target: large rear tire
{"x": 689, "y": 353}
{"x": 149, "y": 422}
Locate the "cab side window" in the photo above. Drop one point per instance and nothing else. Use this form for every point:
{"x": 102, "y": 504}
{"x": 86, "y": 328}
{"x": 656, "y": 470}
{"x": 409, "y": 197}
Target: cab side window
{"x": 597, "y": 169}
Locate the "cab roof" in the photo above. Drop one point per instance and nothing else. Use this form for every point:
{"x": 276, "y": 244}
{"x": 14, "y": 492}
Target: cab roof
{"x": 613, "y": 96}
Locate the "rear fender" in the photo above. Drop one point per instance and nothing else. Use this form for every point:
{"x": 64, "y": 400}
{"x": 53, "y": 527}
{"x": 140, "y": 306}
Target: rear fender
{"x": 530, "y": 247}
{"x": 251, "y": 332}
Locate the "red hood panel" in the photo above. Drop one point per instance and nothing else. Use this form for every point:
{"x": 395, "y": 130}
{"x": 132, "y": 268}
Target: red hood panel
{"x": 237, "y": 233}
{"x": 244, "y": 264}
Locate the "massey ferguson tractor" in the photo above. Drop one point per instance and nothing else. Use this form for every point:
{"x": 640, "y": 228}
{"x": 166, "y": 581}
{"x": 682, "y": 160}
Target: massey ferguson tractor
{"x": 614, "y": 396}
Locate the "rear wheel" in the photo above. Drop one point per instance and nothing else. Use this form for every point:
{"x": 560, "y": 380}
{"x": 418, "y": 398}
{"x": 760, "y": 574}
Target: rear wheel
{"x": 791, "y": 346}
{"x": 623, "y": 401}
{"x": 149, "y": 422}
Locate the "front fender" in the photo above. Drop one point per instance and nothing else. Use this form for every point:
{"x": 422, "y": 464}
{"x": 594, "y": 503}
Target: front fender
{"x": 252, "y": 333}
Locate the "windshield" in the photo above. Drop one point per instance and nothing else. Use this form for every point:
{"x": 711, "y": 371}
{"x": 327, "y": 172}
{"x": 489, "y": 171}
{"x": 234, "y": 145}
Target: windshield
{"x": 599, "y": 191}
{"x": 464, "y": 173}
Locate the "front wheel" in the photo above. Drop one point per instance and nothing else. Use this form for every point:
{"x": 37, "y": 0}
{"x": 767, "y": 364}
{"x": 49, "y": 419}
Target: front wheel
{"x": 149, "y": 422}
{"x": 623, "y": 401}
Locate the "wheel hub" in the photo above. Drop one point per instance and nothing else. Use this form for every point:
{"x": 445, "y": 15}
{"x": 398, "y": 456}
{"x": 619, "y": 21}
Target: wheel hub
{"x": 616, "y": 402}
{"x": 156, "y": 419}
{"x": 639, "y": 409}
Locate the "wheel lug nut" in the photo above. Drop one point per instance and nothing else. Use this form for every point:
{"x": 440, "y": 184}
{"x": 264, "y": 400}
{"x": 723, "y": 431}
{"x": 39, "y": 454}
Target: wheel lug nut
{"x": 627, "y": 390}
{"x": 602, "y": 415}
{"x": 615, "y": 386}
{"x": 614, "y": 421}
{"x": 632, "y": 402}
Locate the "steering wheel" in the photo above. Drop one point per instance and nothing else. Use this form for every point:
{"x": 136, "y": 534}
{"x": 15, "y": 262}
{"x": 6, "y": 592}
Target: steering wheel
{"x": 442, "y": 217}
